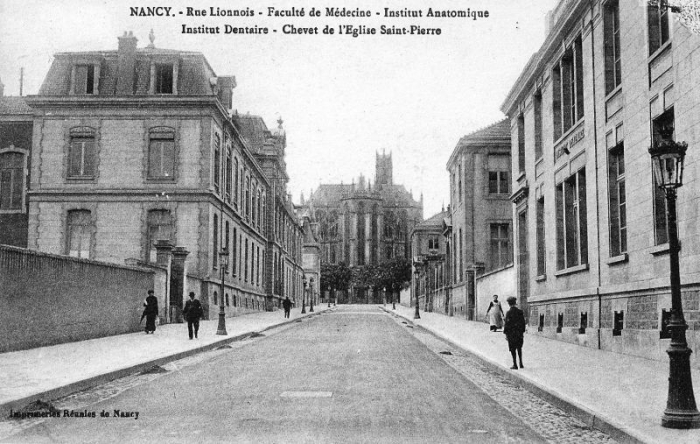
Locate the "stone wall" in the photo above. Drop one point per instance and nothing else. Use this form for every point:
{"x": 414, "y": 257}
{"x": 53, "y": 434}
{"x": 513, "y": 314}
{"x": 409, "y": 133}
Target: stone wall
{"x": 49, "y": 299}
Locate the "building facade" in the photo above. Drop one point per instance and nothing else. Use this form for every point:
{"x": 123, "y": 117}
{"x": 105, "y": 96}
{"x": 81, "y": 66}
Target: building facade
{"x": 138, "y": 145}
{"x": 429, "y": 250}
{"x": 365, "y": 224}
{"x": 16, "y": 130}
{"x": 592, "y": 247}
{"x": 481, "y": 230}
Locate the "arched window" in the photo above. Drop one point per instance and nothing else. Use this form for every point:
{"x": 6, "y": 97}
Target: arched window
{"x": 216, "y": 298}
{"x": 12, "y": 186}
{"x": 227, "y": 299}
{"x": 81, "y": 153}
{"x": 161, "y": 153}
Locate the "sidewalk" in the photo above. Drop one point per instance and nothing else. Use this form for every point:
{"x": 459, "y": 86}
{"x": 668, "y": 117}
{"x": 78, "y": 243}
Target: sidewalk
{"x": 50, "y": 372}
{"x": 624, "y": 396}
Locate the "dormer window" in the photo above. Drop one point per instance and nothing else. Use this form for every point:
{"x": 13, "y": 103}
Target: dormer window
{"x": 164, "y": 78}
{"x": 85, "y": 79}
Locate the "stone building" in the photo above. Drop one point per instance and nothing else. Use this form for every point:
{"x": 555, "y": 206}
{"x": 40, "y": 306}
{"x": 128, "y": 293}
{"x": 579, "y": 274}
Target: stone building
{"x": 138, "y": 145}
{"x": 363, "y": 223}
{"x": 429, "y": 250}
{"x": 591, "y": 224}
{"x": 481, "y": 231}
{"x": 16, "y": 130}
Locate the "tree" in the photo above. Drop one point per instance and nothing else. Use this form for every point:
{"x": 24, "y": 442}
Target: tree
{"x": 336, "y": 276}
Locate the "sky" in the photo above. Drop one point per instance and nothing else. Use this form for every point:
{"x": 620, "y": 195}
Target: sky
{"x": 342, "y": 98}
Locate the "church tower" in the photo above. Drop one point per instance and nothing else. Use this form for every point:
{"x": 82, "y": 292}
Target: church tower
{"x": 384, "y": 170}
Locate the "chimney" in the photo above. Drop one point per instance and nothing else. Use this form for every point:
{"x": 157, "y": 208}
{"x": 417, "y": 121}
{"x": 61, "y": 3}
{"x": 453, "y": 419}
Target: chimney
{"x": 126, "y": 61}
{"x": 547, "y": 23}
{"x": 2, "y": 89}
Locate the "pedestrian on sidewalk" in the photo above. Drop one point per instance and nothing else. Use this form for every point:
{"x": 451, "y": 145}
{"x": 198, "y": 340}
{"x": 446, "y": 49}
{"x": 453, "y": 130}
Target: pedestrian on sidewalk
{"x": 193, "y": 311}
{"x": 150, "y": 312}
{"x": 514, "y": 329}
{"x": 495, "y": 314}
{"x": 287, "y": 305}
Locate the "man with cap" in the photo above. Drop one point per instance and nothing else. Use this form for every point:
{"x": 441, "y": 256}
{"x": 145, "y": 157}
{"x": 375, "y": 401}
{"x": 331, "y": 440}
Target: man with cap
{"x": 193, "y": 311}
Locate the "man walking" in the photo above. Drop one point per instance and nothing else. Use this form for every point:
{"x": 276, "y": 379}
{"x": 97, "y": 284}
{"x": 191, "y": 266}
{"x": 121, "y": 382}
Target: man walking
{"x": 287, "y": 305}
{"x": 150, "y": 312}
{"x": 193, "y": 311}
{"x": 514, "y": 330}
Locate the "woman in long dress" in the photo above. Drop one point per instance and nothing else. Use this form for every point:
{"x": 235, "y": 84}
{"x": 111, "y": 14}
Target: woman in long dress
{"x": 495, "y": 314}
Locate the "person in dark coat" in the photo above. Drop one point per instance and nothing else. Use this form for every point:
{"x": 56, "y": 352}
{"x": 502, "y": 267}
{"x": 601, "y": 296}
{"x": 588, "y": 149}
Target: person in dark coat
{"x": 514, "y": 329}
{"x": 193, "y": 311}
{"x": 287, "y": 305}
{"x": 150, "y": 312}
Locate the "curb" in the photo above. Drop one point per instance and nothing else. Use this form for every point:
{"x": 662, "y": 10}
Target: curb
{"x": 93, "y": 381}
{"x": 606, "y": 425}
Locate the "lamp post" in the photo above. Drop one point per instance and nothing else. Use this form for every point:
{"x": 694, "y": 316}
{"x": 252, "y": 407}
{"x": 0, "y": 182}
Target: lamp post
{"x": 393, "y": 296}
{"x": 416, "y": 274}
{"x": 681, "y": 411}
{"x": 329, "y": 296}
{"x": 223, "y": 263}
{"x": 303, "y": 296}
{"x": 311, "y": 296}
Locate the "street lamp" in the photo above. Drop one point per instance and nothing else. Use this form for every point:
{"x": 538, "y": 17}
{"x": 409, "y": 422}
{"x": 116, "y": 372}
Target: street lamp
{"x": 311, "y": 296}
{"x": 329, "y": 296}
{"x": 681, "y": 412}
{"x": 303, "y": 295}
{"x": 223, "y": 263}
{"x": 393, "y": 300}
{"x": 416, "y": 273}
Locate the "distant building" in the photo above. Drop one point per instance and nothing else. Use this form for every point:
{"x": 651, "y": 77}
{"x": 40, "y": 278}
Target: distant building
{"x": 138, "y": 145}
{"x": 16, "y": 128}
{"x": 592, "y": 247}
{"x": 481, "y": 231}
{"x": 361, "y": 223}
{"x": 429, "y": 253}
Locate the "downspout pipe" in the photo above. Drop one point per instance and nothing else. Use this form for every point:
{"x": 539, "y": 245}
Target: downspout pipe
{"x": 595, "y": 158}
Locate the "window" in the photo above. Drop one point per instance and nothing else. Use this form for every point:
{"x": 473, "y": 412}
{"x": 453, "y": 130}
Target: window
{"x": 234, "y": 252}
{"x": 499, "y": 177}
{"x": 245, "y": 275}
{"x": 459, "y": 181}
{"x": 227, "y": 239}
{"x": 461, "y": 256}
{"x": 541, "y": 240}
{"x": 660, "y": 216}
{"x": 247, "y": 198}
{"x": 215, "y": 242}
{"x": 537, "y": 109}
{"x": 521, "y": 143}
{"x": 81, "y": 153}
{"x": 616, "y": 192}
{"x": 159, "y": 227}
{"x": 567, "y": 78}
{"x": 217, "y": 162}
{"x": 229, "y": 174}
{"x": 257, "y": 259}
{"x": 11, "y": 181}
{"x": 164, "y": 78}
{"x": 79, "y": 233}
{"x": 657, "y": 22}
{"x": 500, "y": 254}
{"x": 161, "y": 153}
{"x": 611, "y": 40}
{"x": 84, "y": 79}
{"x": 572, "y": 236}
{"x": 236, "y": 196}
{"x": 434, "y": 243}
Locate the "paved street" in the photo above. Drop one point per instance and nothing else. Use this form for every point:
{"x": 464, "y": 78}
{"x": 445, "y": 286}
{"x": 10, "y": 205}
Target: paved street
{"x": 354, "y": 374}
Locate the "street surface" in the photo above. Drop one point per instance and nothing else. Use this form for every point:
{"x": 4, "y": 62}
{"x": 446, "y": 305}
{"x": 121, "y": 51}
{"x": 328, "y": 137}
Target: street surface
{"x": 355, "y": 374}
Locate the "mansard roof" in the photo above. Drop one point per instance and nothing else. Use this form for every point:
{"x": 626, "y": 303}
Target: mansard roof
{"x": 496, "y": 134}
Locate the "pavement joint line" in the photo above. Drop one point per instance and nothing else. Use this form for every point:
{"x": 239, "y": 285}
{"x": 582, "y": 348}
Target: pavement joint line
{"x": 87, "y": 383}
{"x": 589, "y": 417}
